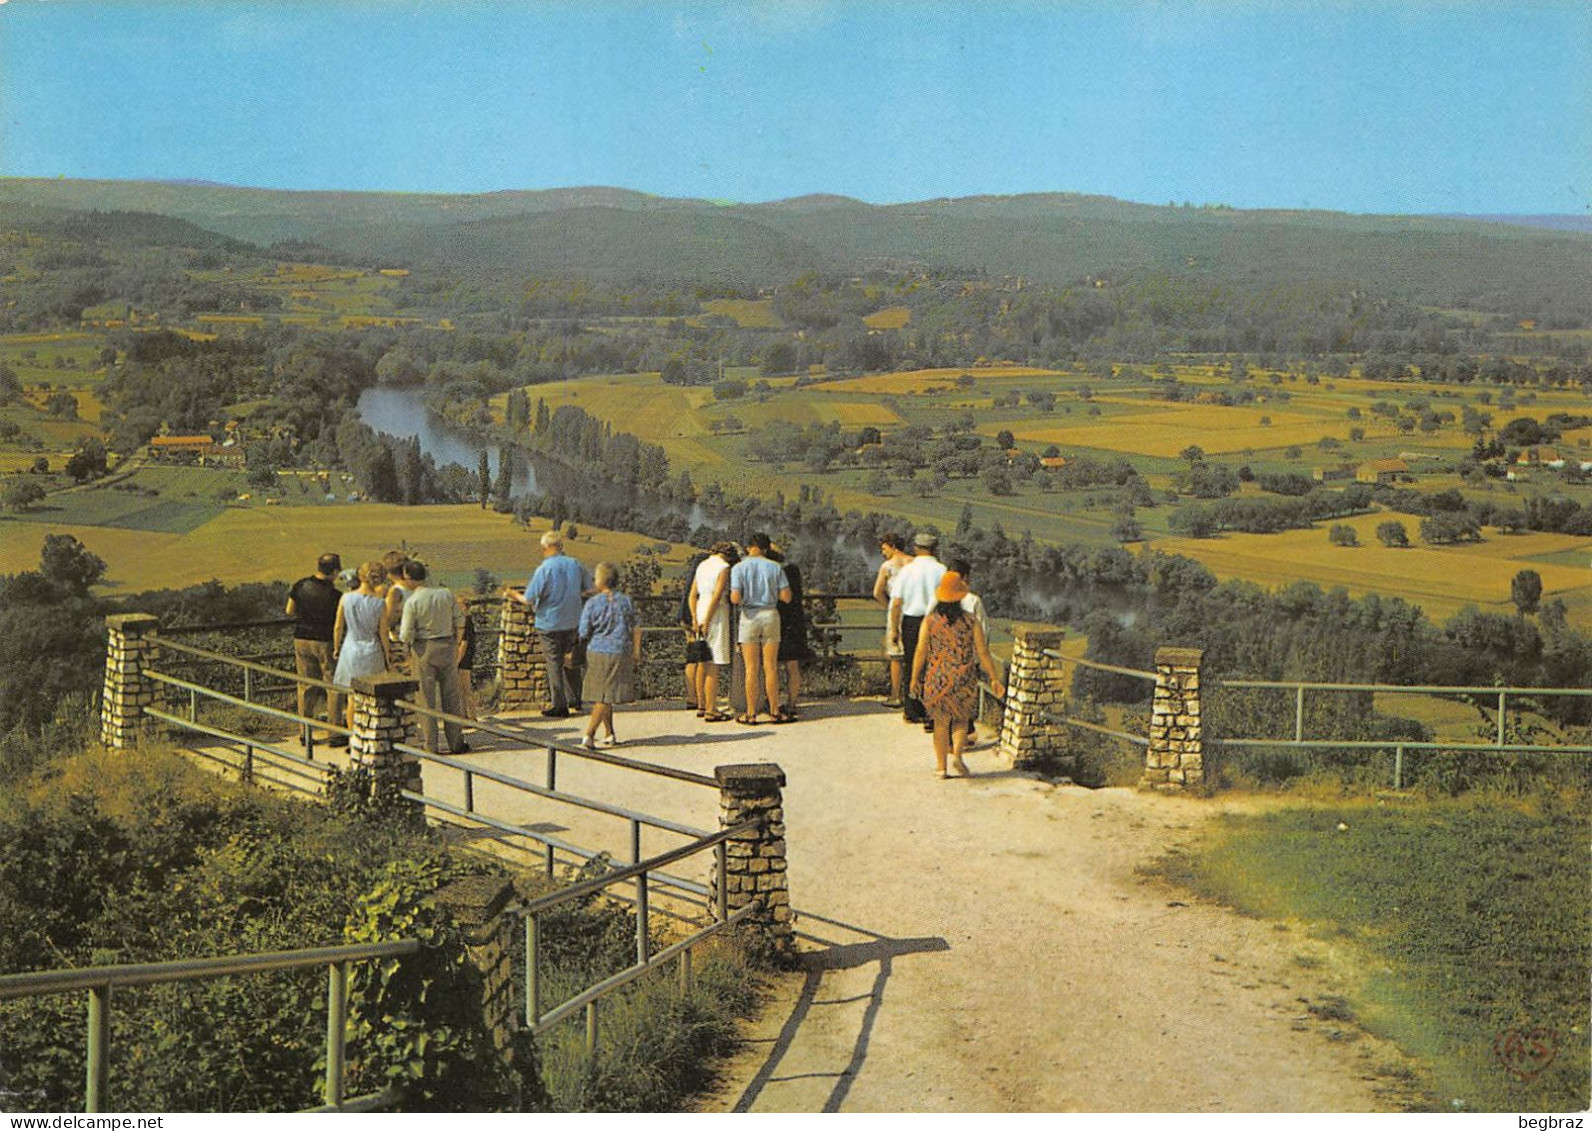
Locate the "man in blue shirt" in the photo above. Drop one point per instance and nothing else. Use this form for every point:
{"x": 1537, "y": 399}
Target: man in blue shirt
{"x": 757, "y": 585}
{"x": 555, "y": 591}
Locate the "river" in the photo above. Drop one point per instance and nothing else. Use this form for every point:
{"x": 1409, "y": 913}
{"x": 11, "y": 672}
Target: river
{"x": 401, "y": 412}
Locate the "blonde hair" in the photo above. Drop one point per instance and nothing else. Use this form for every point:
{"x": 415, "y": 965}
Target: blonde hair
{"x": 606, "y": 575}
{"x": 373, "y": 574}
{"x": 553, "y": 540}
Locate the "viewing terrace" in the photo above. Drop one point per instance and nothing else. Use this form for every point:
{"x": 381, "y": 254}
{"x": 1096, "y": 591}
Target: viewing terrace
{"x": 970, "y": 944}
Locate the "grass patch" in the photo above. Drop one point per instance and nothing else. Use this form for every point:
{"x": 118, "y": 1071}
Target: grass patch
{"x": 1472, "y": 918}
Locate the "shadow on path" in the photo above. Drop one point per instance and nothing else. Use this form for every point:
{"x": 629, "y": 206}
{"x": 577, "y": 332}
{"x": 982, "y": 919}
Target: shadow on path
{"x": 837, "y": 956}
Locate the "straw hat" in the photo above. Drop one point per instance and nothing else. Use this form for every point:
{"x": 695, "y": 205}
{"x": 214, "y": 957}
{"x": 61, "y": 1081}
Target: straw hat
{"x": 952, "y": 588}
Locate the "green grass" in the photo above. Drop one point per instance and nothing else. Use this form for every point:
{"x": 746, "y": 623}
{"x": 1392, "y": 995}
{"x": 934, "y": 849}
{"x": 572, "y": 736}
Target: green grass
{"x": 1471, "y": 919}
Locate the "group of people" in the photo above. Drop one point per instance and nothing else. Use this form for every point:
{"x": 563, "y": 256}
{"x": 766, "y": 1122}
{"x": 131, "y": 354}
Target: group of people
{"x": 936, "y": 638}
{"x": 390, "y": 614}
{"x": 590, "y": 636}
{"x": 760, "y": 594}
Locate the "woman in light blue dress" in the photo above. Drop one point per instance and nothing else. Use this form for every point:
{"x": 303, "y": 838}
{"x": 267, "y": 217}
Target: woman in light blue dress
{"x": 359, "y": 636}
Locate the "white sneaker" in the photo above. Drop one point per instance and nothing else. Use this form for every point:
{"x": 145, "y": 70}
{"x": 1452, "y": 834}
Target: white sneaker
{"x": 611, "y": 740}
{"x": 586, "y": 742}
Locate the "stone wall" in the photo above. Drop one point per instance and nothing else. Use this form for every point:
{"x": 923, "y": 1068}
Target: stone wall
{"x": 755, "y": 867}
{"x": 1035, "y": 688}
{"x": 522, "y": 675}
{"x": 130, "y": 648}
{"x": 1175, "y": 759}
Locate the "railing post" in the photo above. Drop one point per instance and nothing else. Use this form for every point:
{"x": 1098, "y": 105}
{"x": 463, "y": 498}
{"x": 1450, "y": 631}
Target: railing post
{"x": 476, "y": 905}
{"x": 336, "y": 1030}
{"x": 1501, "y": 696}
{"x": 754, "y": 861}
{"x": 1398, "y": 766}
{"x": 552, "y": 767}
{"x": 99, "y": 1052}
{"x": 685, "y": 971}
{"x": 1175, "y": 759}
{"x": 533, "y": 979}
{"x": 643, "y": 914}
{"x": 591, "y": 1029}
{"x": 1036, "y": 690}
{"x": 721, "y": 887}
{"x": 130, "y": 650}
{"x": 379, "y": 724}
{"x": 522, "y": 676}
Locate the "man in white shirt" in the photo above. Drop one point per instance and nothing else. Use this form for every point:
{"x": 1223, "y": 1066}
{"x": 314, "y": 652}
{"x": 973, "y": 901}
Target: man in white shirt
{"x": 912, "y": 601}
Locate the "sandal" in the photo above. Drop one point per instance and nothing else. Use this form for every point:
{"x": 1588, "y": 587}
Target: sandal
{"x": 715, "y": 717}
{"x": 783, "y": 717}
{"x": 746, "y": 720}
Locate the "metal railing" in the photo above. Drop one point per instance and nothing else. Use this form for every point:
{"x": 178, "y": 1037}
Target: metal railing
{"x": 1085, "y": 724}
{"x": 100, "y": 980}
{"x": 1400, "y": 746}
{"x": 640, "y": 873}
{"x": 549, "y": 791}
{"x": 305, "y": 774}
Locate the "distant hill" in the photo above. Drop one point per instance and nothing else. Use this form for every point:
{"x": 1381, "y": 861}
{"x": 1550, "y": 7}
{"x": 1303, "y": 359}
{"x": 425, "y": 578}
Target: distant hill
{"x": 1539, "y": 267}
{"x": 1557, "y": 223}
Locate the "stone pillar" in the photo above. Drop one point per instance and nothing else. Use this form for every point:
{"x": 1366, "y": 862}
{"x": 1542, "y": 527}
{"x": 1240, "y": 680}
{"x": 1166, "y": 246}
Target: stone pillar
{"x": 1175, "y": 759}
{"x": 1036, "y": 688}
{"x": 755, "y": 860}
{"x": 522, "y": 676}
{"x": 379, "y": 723}
{"x": 475, "y": 904}
{"x": 130, "y": 649}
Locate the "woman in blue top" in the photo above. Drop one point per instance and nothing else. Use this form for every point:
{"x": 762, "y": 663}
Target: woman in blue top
{"x": 612, "y": 636}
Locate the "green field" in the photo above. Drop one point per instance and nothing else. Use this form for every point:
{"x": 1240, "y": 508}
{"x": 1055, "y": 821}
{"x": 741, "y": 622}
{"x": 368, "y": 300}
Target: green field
{"x": 1468, "y": 953}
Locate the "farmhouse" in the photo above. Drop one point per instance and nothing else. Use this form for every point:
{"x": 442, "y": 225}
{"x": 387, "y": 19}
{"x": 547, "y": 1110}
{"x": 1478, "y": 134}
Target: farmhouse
{"x": 1382, "y": 471}
{"x": 1329, "y": 474}
{"x": 1540, "y": 457}
{"x": 193, "y": 450}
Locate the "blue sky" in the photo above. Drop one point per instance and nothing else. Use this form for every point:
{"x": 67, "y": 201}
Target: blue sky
{"x": 1419, "y": 106}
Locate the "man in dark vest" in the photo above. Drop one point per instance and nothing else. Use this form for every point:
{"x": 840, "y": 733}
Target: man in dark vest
{"x": 312, "y": 603}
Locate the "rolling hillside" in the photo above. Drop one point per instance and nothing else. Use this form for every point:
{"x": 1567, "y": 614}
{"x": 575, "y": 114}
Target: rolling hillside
{"x": 1538, "y": 273}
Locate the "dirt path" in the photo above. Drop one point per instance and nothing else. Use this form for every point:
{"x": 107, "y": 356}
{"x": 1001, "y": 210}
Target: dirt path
{"x": 989, "y": 945}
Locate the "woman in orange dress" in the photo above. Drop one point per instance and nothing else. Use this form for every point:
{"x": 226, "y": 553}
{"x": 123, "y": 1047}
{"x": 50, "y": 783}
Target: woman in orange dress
{"x": 951, "y": 649}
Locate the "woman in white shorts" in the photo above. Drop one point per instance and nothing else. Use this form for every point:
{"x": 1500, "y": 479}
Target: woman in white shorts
{"x": 710, "y": 614}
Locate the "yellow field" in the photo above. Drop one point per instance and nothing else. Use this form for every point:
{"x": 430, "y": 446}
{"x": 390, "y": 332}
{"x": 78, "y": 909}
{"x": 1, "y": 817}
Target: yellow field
{"x": 802, "y": 411}
{"x": 890, "y": 318}
{"x": 281, "y": 543}
{"x": 1166, "y": 432}
{"x": 756, "y": 314}
{"x": 857, "y": 413}
{"x": 917, "y": 380}
{"x": 1439, "y": 579}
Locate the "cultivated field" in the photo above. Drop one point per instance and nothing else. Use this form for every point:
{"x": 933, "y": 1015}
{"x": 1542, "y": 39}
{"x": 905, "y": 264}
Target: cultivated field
{"x": 258, "y": 543}
{"x": 1441, "y": 579}
{"x": 1281, "y": 430}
